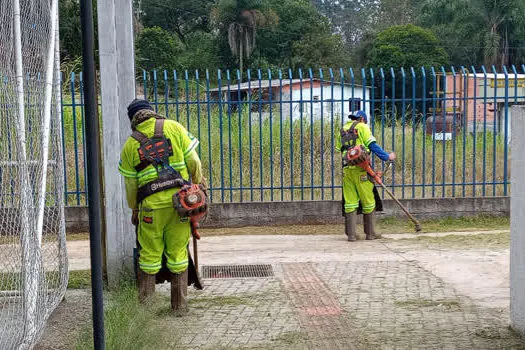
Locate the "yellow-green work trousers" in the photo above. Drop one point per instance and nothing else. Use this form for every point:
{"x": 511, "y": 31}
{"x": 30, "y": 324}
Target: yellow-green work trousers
{"x": 357, "y": 188}
{"x": 162, "y": 231}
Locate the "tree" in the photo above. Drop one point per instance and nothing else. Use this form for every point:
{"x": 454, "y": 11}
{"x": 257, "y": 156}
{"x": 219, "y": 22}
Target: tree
{"x": 407, "y": 46}
{"x": 158, "y": 49}
{"x": 476, "y": 32}
{"x": 302, "y": 38}
{"x": 356, "y": 20}
{"x": 70, "y": 29}
{"x": 240, "y": 19}
{"x": 177, "y": 16}
{"x": 317, "y": 50}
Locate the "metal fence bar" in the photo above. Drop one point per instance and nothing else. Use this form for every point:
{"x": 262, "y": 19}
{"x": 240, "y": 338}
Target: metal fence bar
{"x": 270, "y": 98}
{"x": 268, "y": 134}
{"x": 424, "y": 124}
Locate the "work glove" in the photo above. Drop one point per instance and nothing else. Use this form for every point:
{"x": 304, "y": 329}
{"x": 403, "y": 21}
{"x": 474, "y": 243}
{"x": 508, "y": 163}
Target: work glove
{"x": 135, "y": 217}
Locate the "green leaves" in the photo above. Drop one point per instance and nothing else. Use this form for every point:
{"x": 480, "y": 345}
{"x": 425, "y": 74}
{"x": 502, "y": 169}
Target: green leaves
{"x": 407, "y": 46}
{"x": 157, "y": 49}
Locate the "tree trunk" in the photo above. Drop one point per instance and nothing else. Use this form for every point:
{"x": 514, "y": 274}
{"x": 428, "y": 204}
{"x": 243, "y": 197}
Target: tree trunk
{"x": 240, "y": 54}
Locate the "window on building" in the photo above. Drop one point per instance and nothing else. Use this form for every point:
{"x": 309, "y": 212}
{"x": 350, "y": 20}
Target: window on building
{"x": 355, "y": 104}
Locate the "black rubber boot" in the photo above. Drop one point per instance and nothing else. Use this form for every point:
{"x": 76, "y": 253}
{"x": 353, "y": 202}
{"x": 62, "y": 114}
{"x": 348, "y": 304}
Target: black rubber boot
{"x": 146, "y": 285}
{"x": 368, "y": 223}
{"x": 179, "y": 293}
{"x": 351, "y": 226}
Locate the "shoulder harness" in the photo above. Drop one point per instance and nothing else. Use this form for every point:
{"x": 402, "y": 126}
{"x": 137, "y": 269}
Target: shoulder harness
{"x": 349, "y": 137}
{"x": 156, "y": 151}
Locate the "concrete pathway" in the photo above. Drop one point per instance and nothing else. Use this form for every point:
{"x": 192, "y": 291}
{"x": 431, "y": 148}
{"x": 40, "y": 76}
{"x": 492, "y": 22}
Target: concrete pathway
{"x": 327, "y": 293}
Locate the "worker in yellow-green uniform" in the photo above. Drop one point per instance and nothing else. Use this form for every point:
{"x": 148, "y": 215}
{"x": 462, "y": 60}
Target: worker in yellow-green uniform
{"x": 358, "y": 190}
{"x": 156, "y": 161}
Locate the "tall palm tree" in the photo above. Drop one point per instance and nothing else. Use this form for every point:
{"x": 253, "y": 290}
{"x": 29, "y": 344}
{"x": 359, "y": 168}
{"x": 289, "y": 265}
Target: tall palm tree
{"x": 241, "y": 18}
{"x": 501, "y": 18}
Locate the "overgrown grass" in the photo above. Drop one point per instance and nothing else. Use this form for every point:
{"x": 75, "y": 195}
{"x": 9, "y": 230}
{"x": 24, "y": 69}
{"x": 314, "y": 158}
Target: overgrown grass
{"x": 127, "y": 323}
{"x": 259, "y": 152}
{"x": 79, "y": 279}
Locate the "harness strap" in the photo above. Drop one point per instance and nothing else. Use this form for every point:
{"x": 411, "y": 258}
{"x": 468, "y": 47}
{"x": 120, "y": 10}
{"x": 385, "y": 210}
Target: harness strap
{"x": 144, "y": 140}
{"x": 349, "y": 136}
{"x": 159, "y": 185}
{"x": 159, "y": 128}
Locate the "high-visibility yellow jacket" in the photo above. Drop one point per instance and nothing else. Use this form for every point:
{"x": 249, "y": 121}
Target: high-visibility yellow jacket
{"x": 184, "y": 159}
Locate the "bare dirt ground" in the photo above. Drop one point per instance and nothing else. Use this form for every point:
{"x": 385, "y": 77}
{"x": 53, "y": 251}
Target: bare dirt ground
{"x": 433, "y": 291}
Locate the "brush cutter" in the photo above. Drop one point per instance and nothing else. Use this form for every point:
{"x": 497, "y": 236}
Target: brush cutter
{"x": 359, "y": 157}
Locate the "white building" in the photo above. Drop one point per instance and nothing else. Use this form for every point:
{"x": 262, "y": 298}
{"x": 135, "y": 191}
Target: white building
{"x": 309, "y": 99}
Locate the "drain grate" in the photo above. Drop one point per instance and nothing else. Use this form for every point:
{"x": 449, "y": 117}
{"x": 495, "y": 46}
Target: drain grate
{"x": 236, "y": 271}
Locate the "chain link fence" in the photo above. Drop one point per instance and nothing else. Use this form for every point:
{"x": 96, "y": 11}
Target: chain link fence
{"x": 33, "y": 258}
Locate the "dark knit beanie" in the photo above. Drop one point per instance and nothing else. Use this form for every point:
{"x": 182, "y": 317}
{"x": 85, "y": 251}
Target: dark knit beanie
{"x": 136, "y": 106}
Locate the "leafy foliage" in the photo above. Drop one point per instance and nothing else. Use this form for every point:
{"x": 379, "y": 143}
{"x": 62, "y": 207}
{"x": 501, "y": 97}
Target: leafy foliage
{"x": 158, "y": 49}
{"x": 407, "y": 46}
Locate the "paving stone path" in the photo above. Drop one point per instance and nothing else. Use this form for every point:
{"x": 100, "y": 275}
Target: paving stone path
{"x": 365, "y": 305}
{"x": 328, "y": 294}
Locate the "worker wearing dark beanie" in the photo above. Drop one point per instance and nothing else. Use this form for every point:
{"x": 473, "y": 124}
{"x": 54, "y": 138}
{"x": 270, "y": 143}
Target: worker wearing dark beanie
{"x": 137, "y": 105}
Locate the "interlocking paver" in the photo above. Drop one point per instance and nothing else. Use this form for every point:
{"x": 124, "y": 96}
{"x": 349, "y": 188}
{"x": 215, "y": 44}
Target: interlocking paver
{"x": 341, "y": 305}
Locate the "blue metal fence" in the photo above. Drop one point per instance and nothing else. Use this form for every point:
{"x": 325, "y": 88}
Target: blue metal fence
{"x": 270, "y": 135}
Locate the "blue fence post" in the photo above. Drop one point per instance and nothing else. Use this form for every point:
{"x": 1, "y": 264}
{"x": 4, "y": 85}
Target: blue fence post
{"x": 187, "y": 98}
{"x": 383, "y": 103}
{"x": 198, "y": 103}
{"x": 301, "y": 128}
{"x": 239, "y": 111}
{"x": 281, "y": 147}
{"x": 403, "y": 124}
{"x": 495, "y": 131}
{"x": 414, "y": 134}
{"x": 248, "y": 73}
{"x": 475, "y": 131}
{"x": 444, "y": 142}
{"x": 166, "y": 94}
{"x": 210, "y": 163}
{"x": 464, "y": 119}
{"x": 176, "y": 93}
{"x": 332, "y": 132}
{"x": 454, "y": 85}
{"x": 394, "y": 121}
{"x": 372, "y": 117}
{"x": 342, "y": 122}
{"x": 155, "y": 91}
{"x": 291, "y": 136}
{"x": 261, "y": 149}
{"x": 484, "y": 175}
{"x": 321, "y": 78}
{"x": 424, "y": 131}
{"x": 434, "y": 104}
{"x": 230, "y": 146}
{"x": 75, "y": 137}
{"x": 270, "y": 106}
{"x": 64, "y": 150}
{"x": 506, "y": 135}
{"x": 311, "y": 134}
{"x": 145, "y": 83}
{"x": 83, "y": 128}
{"x": 221, "y": 141}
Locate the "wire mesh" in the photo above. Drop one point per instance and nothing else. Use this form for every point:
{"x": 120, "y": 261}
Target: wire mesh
{"x": 33, "y": 259}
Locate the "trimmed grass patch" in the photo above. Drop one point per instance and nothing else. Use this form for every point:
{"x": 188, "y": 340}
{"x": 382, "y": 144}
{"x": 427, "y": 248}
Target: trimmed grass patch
{"x": 487, "y": 241}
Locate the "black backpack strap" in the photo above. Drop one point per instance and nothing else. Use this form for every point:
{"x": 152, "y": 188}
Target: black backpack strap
{"x": 351, "y": 139}
{"x": 140, "y": 137}
{"x": 159, "y": 129}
